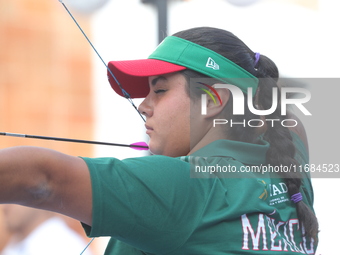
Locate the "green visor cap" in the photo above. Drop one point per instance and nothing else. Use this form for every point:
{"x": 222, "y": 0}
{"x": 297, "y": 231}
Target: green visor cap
{"x": 198, "y": 58}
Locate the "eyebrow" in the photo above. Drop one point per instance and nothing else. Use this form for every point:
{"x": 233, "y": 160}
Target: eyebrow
{"x": 158, "y": 78}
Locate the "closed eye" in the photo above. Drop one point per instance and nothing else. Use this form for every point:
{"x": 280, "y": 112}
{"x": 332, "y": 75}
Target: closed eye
{"x": 158, "y": 91}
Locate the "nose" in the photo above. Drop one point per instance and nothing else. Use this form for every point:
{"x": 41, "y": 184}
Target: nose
{"x": 145, "y": 108}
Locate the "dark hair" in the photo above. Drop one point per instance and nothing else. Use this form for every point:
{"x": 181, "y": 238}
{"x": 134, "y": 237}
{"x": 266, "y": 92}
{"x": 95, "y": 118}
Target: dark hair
{"x": 282, "y": 149}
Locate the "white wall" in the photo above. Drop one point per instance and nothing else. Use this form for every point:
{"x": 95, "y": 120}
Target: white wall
{"x": 303, "y": 43}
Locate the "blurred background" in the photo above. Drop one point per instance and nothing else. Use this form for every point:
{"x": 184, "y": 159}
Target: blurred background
{"x": 53, "y": 84}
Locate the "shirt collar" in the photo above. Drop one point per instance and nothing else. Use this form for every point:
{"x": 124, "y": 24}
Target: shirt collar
{"x": 246, "y": 153}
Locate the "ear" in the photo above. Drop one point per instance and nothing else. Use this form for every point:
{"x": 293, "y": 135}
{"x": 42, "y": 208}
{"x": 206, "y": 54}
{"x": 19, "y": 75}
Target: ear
{"x": 216, "y": 102}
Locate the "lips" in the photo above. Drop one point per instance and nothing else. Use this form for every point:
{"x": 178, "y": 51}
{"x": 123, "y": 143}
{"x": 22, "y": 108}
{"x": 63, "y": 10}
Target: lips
{"x": 148, "y": 129}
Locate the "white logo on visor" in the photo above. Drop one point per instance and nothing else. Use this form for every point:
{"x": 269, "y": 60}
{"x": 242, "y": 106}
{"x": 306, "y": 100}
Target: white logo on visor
{"x": 212, "y": 64}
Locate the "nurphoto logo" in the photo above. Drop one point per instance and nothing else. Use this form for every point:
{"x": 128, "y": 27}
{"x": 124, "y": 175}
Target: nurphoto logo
{"x": 239, "y": 104}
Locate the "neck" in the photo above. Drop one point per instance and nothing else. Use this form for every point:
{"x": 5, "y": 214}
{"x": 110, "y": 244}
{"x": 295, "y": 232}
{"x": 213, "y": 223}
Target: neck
{"x": 213, "y": 134}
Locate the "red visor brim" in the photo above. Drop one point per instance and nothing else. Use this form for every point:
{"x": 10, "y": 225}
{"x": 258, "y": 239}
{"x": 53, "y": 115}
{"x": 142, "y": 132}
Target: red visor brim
{"x": 133, "y": 75}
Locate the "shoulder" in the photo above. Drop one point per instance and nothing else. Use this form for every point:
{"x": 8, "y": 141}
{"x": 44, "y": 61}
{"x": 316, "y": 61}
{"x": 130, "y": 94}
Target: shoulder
{"x": 139, "y": 198}
{"x": 152, "y": 167}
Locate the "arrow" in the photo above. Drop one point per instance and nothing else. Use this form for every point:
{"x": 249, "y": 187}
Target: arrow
{"x": 135, "y": 146}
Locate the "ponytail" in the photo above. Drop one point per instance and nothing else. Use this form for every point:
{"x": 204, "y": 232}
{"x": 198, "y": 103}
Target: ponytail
{"x": 282, "y": 150}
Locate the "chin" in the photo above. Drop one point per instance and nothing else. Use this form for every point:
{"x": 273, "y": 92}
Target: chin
{"x": 155, "y": 150}
{"x": 158, "y": 149}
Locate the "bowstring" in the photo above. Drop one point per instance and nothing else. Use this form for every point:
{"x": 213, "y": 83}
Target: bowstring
{"x": 87, "y": 246}
{"x": 126, "y": 95}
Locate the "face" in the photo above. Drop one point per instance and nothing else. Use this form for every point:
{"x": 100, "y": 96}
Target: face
{"x": 167, "y": 112}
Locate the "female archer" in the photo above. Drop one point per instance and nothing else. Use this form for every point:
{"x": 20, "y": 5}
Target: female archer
{"x": 199, "y": 192}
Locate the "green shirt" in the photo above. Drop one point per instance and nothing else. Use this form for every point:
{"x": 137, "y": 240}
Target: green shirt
{"x": 163, "y": 205}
